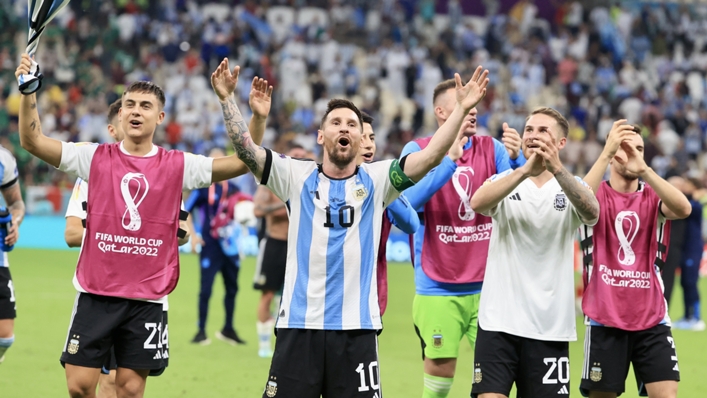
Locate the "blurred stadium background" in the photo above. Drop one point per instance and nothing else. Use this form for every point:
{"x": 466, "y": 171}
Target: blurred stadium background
{"x": 595, "y": 61}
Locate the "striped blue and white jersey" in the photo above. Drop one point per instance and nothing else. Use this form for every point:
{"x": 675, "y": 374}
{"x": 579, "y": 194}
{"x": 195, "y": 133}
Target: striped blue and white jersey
{"x": 8, "y": 178}
{"x": 332, "y": 244}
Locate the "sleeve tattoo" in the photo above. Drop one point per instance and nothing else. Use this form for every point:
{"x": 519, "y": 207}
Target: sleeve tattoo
{"x": 582, "y": 199}
{"x": 252, "y": 155}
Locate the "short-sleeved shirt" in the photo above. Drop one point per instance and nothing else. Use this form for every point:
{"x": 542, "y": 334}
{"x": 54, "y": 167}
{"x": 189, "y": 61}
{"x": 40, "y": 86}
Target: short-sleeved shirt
{"x": 79, "y": 195}
{"x": 8, "y": 173}
{"x": 528, "y": 289}
{"x": 335, "y": 227}
{"x": 423, "y": 191}
{"x": 76, "y": 159}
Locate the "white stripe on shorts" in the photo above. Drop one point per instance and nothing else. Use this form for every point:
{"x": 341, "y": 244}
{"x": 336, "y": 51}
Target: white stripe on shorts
{"x": 71, "y": 321}
{"x": 380, "y": 388}
{"x": 259, "y": 260}
{"x": 587, "y": 349}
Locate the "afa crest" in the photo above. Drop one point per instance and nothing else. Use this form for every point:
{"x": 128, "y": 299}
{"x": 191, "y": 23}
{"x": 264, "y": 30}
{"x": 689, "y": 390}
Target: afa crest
{"x": 271, "y": 387}
{"x": 560, "y": 202}
{"x": 437, "y": 340}
{"x": 73, "y": 346}
{"x": 477, "y": 374}
{"x": 360, "y": 192}
{"x": 595, "y": 373}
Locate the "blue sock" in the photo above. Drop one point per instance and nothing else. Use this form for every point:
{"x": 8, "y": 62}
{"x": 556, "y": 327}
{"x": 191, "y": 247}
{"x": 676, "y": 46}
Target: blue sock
{"x": 5, "y": 344}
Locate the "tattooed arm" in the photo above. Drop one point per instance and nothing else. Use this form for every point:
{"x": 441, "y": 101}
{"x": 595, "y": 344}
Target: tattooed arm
{"x": 31, "y": 137}
{"x": 580, "y": 195}
{"x": 578, "y": 192}
{"x": 224, "y": 83}
{"x": 229, "y": 167}
{"x": 248, "y": 152}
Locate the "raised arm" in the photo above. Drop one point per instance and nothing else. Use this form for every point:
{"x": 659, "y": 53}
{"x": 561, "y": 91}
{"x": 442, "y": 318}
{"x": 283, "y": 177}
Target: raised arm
{"x": 260, "y": 101}
{"x": 492, "y": 192}
{"x": 31, "y": 137}
{"x": 675, "y": 204}
{"x": 419, "y": 163}
{"x": 260, "y": 97}
{"x": 582, "y": 198}
{"x": 224, "y": 83}
{"x": 512, "y": 143}
{"x": 619, "y": 132}
{"x": 16, "y": 206}
{"x": 419, "y": 194}
{"x": 403, "y": 215}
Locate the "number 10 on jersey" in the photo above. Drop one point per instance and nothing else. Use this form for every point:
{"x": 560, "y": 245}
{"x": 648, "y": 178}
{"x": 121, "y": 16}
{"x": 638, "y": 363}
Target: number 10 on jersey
{"x": 346, "y": 216}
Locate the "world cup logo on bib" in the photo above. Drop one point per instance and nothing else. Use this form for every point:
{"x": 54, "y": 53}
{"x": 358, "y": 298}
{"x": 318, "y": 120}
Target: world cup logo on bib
{"x": 624, "y": 219}
{"x": 131, "y": 218}
{"x": 463, "y": 185}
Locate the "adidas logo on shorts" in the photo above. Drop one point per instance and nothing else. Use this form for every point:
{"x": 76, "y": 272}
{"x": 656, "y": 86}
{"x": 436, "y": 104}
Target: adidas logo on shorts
{"x": 158, "y": 355}
{"x": 563, "y": 390}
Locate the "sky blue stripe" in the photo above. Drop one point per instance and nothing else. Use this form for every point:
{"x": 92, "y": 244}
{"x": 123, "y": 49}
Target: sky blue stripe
{"x": 367, "y": 245}
{"x": 298, "y": 305}
{"x": 2, "y": 174}
{"x": 334, "y": 299}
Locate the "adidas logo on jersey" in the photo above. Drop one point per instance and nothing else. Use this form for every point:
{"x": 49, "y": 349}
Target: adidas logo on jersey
{"x": 515, "y": 196}
{"x": 563, "y": 391}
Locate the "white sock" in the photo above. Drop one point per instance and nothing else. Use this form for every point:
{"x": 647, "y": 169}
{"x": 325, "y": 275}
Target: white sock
{"x": 264, "y": 332}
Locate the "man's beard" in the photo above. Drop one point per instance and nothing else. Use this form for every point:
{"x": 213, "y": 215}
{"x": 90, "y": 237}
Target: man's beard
{"x": 341, "y": 159}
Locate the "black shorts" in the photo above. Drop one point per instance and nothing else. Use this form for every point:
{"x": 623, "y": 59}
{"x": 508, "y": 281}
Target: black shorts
{"x": 132, "y": 327}
{"x": 608, "y": 352}
{"x": 538, "y": 368}
{"x": 112, "y": 364}
{"x": 7, "y": 295}
{"x": 326, "y": 363}
{"x": 270, "y": 269}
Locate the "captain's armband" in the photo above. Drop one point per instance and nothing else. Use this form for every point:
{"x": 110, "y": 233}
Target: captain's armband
{"x": 397, "y": 176}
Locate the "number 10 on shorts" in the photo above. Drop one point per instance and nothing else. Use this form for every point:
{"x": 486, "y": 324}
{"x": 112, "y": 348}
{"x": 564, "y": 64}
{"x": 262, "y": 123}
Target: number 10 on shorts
{"x": 558, "y": 371}
{"x": 371, "y": 372}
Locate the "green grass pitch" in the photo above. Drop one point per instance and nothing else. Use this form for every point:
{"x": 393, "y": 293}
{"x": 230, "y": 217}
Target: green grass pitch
{"x": 45, "y": 297}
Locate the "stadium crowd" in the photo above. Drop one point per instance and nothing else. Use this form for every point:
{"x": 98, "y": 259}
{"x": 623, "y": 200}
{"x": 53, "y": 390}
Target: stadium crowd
{"x": 595, "y": 64}
{"x": 606, "y": 86}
